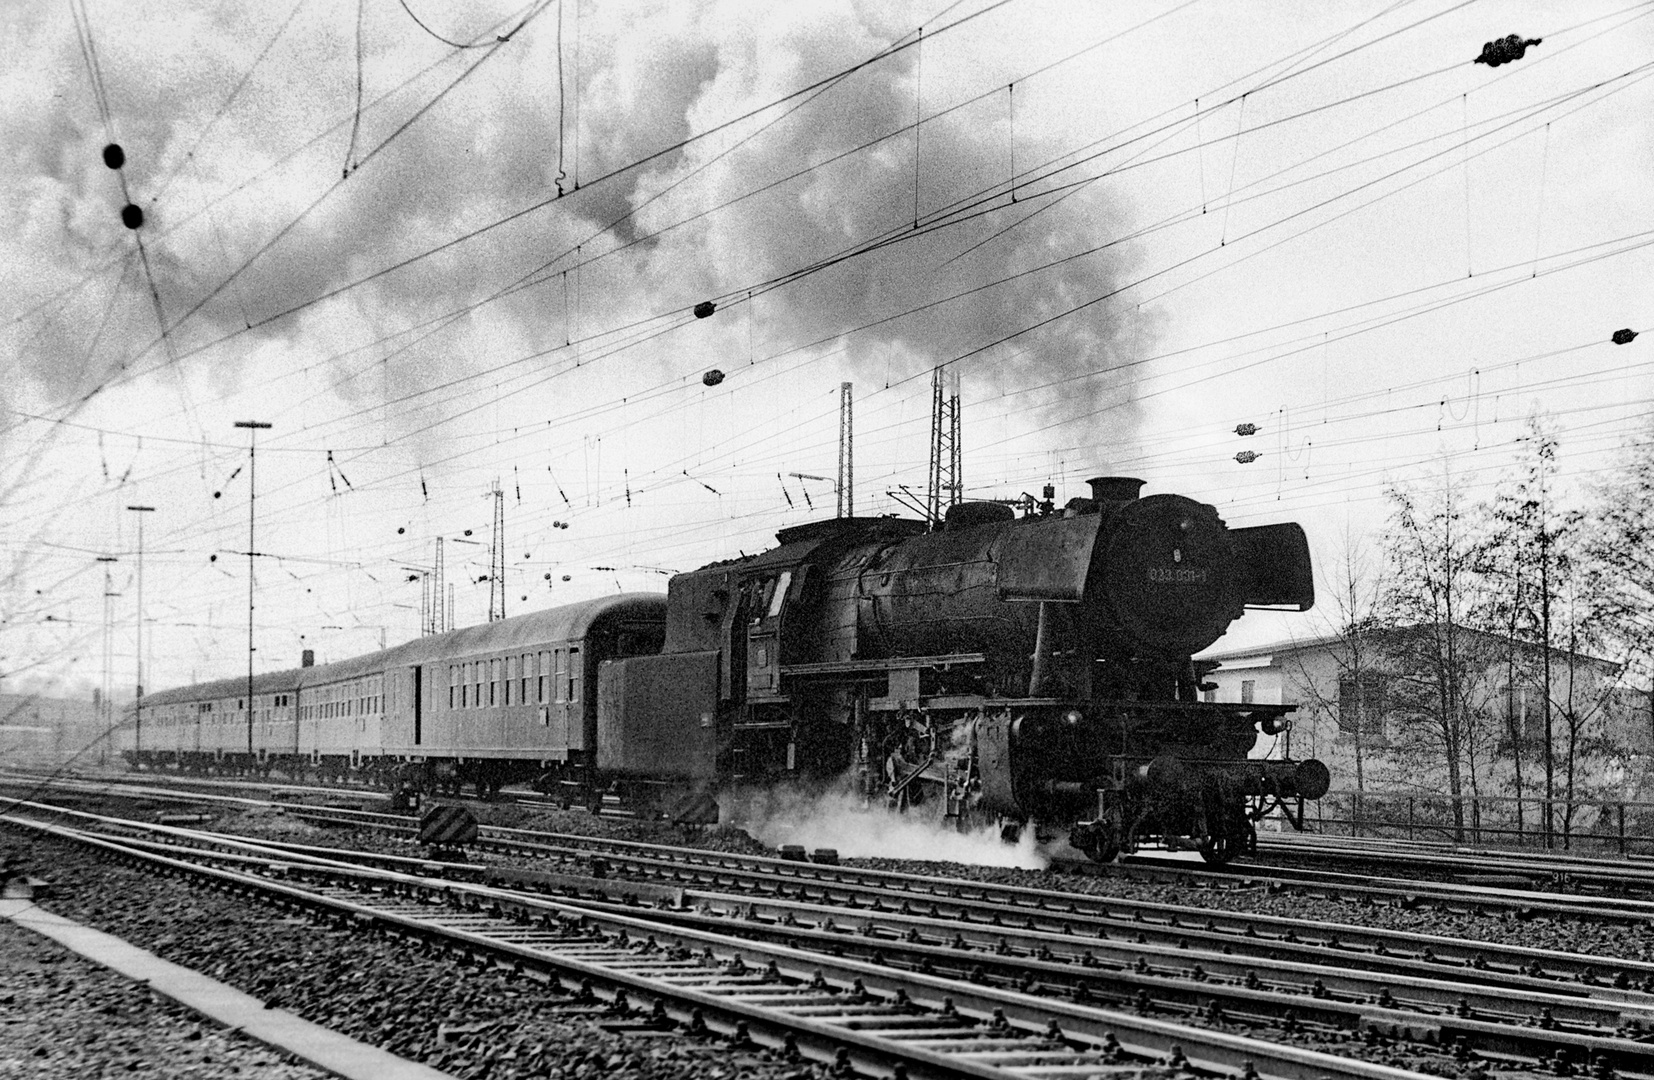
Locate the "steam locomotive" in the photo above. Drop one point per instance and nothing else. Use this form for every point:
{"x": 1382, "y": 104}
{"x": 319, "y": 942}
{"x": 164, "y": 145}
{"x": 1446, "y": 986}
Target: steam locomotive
{"x": 996, "y": 669}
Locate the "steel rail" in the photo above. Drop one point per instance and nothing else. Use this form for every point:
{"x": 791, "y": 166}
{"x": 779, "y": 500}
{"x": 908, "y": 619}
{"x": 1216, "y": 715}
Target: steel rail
{"x": 1264, "y": 935}
{"x": 1139, "y": 964}
{"x": 1557, "y": 1028}
{"x": 1539, "y": 1028}
{"x": 1470, "y": 898}
{"x": 1621, "y": 875}
{"x": 1465, "y": 899}
{"x": 841, "y": 1009}
{"x": 1501, "y": 1020}
{"x": 1484, "y": 894}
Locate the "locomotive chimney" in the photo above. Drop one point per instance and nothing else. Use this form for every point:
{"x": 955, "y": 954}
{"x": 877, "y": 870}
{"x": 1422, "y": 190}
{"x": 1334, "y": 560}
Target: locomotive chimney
{"x": 1114, "y": 489}
{"x": 307, "y": 658}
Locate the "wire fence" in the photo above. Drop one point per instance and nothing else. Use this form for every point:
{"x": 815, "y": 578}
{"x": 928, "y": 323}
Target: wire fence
{"x": 1488, "y": 820}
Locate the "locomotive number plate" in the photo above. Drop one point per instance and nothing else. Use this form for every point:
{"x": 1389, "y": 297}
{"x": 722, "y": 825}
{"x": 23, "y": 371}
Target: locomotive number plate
{"x": 1165, "y": 575}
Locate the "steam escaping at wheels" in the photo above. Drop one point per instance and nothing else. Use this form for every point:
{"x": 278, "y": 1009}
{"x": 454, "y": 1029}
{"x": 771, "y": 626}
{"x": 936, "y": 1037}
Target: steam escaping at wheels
{"x": 837, "y": 816}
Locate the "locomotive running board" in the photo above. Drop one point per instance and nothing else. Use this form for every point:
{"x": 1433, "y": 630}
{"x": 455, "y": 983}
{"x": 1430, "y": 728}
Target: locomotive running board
{"x": 895, "y": 663}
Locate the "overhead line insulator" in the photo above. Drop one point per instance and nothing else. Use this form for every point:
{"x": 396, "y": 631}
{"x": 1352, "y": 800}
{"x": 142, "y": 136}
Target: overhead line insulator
{"x": 1505, "y": 50}
{"x": 1246, "y": 429}
{"x": 1247, "y": 457}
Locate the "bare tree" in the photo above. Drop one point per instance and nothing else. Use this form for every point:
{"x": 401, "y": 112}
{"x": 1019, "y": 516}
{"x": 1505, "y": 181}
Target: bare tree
{"x": 1355, "y": 699}
{"x": 1618, "y": 575}
{"x": 1434, "y": 544}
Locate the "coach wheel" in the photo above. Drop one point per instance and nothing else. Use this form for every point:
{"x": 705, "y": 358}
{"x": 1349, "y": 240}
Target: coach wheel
{"x": 1236, "y": 836}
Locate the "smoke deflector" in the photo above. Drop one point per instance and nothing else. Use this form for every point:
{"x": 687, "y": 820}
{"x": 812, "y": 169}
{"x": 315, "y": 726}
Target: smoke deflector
{"x": 1275, "y": 562}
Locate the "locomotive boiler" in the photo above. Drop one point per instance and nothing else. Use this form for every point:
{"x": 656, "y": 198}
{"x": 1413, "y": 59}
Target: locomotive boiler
{"x": 1019, "y": 670}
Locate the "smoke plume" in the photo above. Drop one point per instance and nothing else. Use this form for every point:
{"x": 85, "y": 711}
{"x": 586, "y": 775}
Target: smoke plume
{"x": 248, "y": 223}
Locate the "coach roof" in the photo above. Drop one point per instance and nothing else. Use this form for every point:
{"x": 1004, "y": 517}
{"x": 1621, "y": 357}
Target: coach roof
{"x": 571, "y": 622}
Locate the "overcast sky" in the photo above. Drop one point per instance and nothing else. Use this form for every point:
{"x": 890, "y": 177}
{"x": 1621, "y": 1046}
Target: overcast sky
{"x": 1128, "y": 226}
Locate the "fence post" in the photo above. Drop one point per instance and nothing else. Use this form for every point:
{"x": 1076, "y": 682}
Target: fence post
{"x": 1620, "y": 807}
{"x": 1409, "y": 817}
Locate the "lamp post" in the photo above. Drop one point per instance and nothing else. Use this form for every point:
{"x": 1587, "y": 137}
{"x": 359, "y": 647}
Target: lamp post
{"x": 104, "y": 708}
{"x": 138, "y": 698}
{"x": 252, "y": 427}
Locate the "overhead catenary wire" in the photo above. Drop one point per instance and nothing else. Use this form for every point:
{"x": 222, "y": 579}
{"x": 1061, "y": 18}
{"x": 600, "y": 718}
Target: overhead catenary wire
{"x": 537, "y": 8}
{"x": 1047, "y": 67}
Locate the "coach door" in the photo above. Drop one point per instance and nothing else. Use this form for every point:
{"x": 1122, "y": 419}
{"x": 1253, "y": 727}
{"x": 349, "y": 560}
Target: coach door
{"x": 418, "y": 705}
{"x": 571, "y": 696}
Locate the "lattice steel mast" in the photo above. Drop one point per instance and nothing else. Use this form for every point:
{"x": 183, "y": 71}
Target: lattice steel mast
{"x": 946, "y": 471}
{"x": 846, "y": 454}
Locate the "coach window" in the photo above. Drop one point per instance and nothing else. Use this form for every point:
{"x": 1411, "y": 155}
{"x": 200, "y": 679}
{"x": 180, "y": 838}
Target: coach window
{"x": 525, "y": 673}
{"x": 543, "y": 676}
{"x": 574, "y": 673}
{"x": 510, "y": 664}
{"x": 493, "y": 680}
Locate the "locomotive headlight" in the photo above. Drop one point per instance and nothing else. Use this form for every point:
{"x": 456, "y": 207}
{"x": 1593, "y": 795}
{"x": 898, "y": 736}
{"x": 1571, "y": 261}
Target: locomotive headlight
{"x": 1073, "y": 717}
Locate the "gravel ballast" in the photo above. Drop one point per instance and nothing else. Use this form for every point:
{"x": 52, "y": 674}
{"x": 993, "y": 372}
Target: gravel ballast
{"x": 64, "y": 1016}
{"x": 477, "y": 1024}
{"x": 469, "y": 1022}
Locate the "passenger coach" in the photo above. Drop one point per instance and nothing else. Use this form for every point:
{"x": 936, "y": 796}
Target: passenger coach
{"x": 487, "y": 705}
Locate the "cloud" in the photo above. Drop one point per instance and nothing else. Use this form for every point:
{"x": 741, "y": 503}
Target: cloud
{"x": 247, "y": 218}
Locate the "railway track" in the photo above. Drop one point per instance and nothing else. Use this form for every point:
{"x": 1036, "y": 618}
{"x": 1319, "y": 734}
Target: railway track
{"x": 874, "y": 1018}
{"x": 1488, "y": 889}
{"x": 1472, "y": 1009}
{"x": 1267, "y": 938}
{"x": 1629, "y": 877}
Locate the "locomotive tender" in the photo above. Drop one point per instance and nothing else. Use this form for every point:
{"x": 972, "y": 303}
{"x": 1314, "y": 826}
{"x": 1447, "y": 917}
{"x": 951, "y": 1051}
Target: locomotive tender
{"x": 996, "y": 669}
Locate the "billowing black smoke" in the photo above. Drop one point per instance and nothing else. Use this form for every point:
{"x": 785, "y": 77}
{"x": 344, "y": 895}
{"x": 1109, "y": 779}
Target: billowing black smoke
{"x": 249, "y": 227}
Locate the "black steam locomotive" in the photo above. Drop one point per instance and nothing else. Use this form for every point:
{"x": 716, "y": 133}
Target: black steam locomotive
{"x": 998, "y": 669}
{"x": 1032, "y": 669}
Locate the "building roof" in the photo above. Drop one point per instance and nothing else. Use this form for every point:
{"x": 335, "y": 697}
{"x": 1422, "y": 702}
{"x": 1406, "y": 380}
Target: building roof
{"x": 1323, "y": 641}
